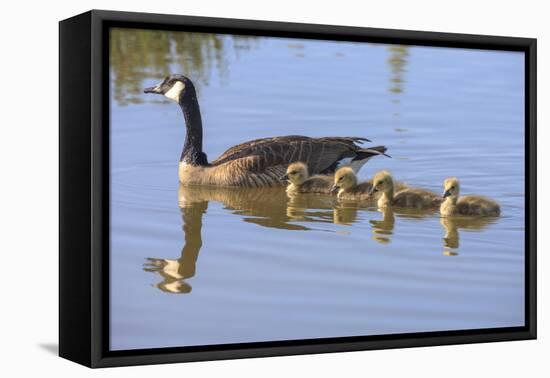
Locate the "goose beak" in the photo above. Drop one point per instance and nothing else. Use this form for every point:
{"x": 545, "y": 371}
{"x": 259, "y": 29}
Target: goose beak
{"x": 154, "y": 89}
{"x": 284, "y": 178}
{"x": 446, "y": 194}
{"x": 334, "y": 189}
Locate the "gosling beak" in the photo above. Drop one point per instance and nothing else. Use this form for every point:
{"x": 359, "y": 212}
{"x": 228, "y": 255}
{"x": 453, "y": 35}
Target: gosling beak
{"x": 446, "y": 194}
{"x": 154, "y": 89}
{"x": 372, "y": 190}
{"x": 334, "y": 189}
{"x": 284, "y": 178}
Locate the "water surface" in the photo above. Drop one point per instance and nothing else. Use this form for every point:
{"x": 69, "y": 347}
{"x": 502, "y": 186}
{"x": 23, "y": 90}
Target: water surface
{"x": 197, "y": 266}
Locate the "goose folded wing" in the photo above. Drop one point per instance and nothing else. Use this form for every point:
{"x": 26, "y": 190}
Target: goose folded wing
{"x": 262, "y": 154}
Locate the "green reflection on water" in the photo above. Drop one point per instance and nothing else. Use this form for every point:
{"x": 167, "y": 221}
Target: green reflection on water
{"x": 137, "y": 54}
{"x": 397, "y": 61}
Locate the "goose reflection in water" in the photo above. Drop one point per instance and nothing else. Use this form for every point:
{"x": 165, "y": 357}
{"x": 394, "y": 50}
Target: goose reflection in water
{"x": 175, "y": 272}
{"x": 273, "y": 208}
{"x": 266, "y": 207}
{"x": 451, "y": 225}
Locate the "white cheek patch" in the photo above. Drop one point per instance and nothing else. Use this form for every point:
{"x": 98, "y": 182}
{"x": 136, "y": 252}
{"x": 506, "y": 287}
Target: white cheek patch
{"x": 171, "y": 269}
{"x": 174, "y": 92}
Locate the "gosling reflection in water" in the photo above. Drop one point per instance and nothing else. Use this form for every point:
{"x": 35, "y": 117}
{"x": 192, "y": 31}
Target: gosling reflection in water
{"x": 451, "y": 225}
{"x": 346, "y": 212}
{"x": 382, "y": 230}
{"x": 309, "y": 208}
{"x": 267, "y": 207}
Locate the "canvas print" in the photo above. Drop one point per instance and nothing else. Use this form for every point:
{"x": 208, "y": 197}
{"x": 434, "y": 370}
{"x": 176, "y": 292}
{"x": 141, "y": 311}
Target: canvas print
{"x": 272, "y": 189}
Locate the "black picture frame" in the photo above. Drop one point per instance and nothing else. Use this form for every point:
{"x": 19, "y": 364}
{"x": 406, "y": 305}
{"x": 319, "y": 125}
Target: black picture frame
{"x": 84, "y": 188}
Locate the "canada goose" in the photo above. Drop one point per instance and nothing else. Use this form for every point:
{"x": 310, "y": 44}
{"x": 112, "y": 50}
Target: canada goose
{"x": 300, "y": 182}
{"x": 345, "y": 184}
{"x": 410, "y": 197}
{"x": 259, "y": 162}
{"x": 467, "y": 205}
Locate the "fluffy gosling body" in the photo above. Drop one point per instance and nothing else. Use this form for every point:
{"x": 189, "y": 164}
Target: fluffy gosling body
{"x": 472, "y": 205}
{"x": 297, "y": 174}
{"x": 346, "y": 186}
{"x": 415, "y": 198}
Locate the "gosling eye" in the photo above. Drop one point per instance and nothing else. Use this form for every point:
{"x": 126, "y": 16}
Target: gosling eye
{"x": 293, "y": 173}
{"x": 452, "y": 187}
{"x": 341, "y": 178}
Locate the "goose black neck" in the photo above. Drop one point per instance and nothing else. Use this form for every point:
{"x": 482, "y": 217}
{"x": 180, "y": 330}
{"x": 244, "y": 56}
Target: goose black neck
{"x": 192, "y": 148}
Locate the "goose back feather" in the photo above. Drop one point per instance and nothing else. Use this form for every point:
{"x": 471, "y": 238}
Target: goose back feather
{"x": 263, "y": 162}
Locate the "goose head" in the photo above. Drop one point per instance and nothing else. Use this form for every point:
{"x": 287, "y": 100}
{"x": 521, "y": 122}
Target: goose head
{"x": 172, "y": 87}
{"x": 382, "y": 182}
{"x": 296, "y": 173}
{"x": 344, "y": 179}
{"x": 451, "y": 188}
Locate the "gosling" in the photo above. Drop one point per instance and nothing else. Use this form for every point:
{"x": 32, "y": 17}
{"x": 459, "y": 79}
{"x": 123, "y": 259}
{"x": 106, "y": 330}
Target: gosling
{"x": 467, "y": 205}
{"x": 297, "y": 174}
{"x": 415, "y": 198}
{"x": 346, "y": 186}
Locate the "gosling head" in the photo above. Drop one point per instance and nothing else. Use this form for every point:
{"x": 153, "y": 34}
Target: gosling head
{"x": 173, "y": 87}
{"x": 382, "y": 182}
{"x": 344, "y": 178}
{"x": 451, "y": 188}
{"x": 296, "y": 173}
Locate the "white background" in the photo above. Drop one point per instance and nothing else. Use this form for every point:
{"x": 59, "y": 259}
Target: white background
{"x": 29, "y": 176}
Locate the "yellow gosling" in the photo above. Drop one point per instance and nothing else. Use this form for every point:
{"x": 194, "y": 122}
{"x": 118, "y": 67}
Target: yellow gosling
{"x": 408, "y": 197}
{"x": 346, "y": 186}
{"x": 453, "y": 204}
{"x": 297, "y": 175}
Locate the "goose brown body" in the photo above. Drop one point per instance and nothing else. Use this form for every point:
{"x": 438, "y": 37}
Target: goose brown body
{"x": 472, "y": 205}
{"x": 260, "y": 162}
{"x": 263, "y": 162}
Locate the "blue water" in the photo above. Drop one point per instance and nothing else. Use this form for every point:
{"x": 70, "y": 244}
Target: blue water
{"x": 196, "y": 266}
